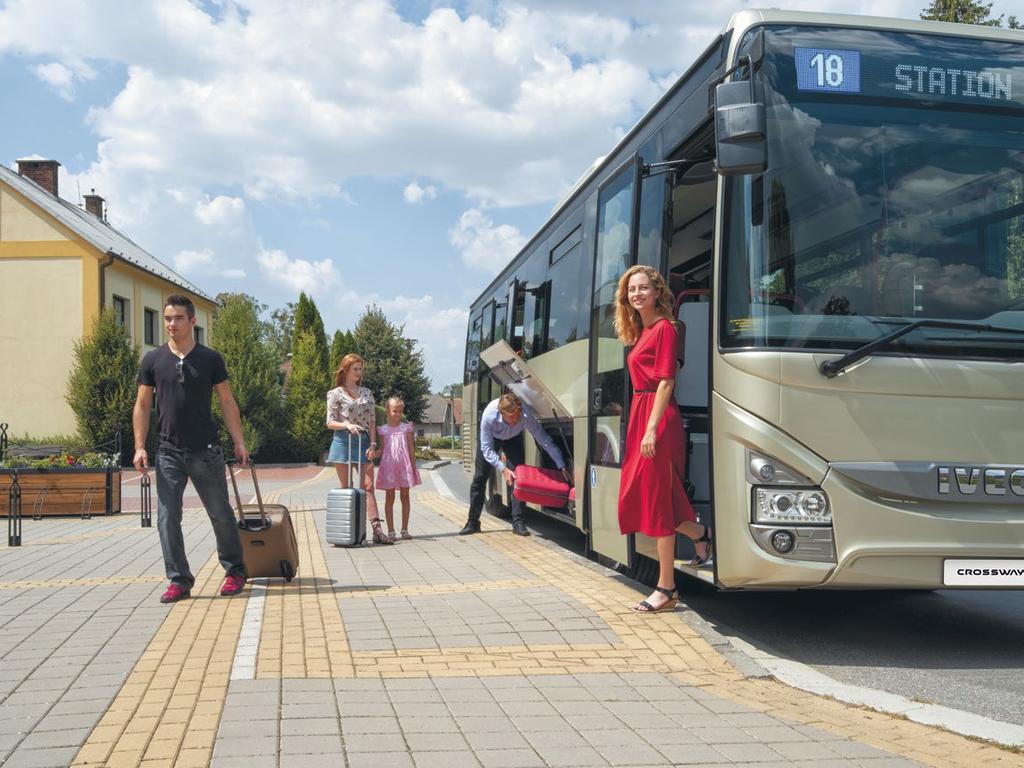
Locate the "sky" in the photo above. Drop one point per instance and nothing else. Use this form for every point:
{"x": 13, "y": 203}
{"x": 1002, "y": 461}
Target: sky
{"x": 363, "y": 151}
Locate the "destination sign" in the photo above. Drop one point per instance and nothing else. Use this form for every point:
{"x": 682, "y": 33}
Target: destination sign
{"x": 915, "y": 67}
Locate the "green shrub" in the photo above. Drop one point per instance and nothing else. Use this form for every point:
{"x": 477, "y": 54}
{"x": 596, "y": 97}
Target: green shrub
{"x": 102, "y": 384}
{"x": 426, "y": 454}
{"x": 445, "y": 442}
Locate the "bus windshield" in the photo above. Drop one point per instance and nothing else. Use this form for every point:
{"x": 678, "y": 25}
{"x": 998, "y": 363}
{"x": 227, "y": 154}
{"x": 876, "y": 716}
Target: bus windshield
{"x": 894, "y": 193}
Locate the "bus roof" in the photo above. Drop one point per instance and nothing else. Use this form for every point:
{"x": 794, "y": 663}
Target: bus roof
{"x": 739, "y": 23}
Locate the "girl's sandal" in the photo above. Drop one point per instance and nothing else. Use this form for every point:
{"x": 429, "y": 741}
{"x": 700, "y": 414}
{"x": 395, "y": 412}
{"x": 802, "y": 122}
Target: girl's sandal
{"x": 379, "y": 537}
{"x": 406, "y": 534}
{"x": 391, "y": 537}
{"x": 705, "y": 538}
{"x": 645, "y": 607}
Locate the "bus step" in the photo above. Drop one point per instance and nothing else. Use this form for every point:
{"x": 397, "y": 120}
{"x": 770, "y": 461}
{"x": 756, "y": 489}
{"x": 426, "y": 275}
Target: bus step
{"x": 704, "y": 572}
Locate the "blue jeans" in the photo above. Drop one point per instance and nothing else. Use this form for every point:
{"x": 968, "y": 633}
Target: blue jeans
{"x": 205, "y": 468}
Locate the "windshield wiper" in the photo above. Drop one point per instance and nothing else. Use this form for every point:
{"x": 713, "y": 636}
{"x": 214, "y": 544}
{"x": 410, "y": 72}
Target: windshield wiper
{"x": 832, "y": 368}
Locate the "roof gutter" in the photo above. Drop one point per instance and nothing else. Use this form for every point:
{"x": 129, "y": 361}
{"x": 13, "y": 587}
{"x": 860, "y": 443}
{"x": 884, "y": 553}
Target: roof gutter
{"x": 103, "y": 279}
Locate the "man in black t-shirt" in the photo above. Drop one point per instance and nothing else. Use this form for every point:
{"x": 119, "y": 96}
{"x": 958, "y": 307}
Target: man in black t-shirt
{"x": 185, "y": 374}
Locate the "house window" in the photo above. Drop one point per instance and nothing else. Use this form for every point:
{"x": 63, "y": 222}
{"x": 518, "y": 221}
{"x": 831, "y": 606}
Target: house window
{"x": 149, "y": 326}
{"x": 121, "y": 310}
{"x": 199, "y": 335}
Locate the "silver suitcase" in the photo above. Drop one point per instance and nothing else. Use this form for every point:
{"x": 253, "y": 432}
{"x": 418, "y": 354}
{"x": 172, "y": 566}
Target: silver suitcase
{"x": 346, "y": 514}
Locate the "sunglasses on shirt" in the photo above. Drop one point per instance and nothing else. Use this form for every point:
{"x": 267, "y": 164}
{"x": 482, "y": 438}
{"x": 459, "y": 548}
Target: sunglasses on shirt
{"x": 179, "y": 367}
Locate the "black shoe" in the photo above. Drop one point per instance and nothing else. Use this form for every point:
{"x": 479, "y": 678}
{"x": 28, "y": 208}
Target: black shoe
{"x": 519, "y": 528}
{"x": 472, "y": 526}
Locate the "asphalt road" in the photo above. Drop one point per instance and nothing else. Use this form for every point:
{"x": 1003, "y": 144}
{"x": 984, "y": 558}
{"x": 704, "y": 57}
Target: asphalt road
{"x": 961, "y": 649}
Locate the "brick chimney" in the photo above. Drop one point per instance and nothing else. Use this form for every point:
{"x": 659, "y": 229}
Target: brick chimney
{"x": 94, "y": 204}
{"x": 42, "y": 172}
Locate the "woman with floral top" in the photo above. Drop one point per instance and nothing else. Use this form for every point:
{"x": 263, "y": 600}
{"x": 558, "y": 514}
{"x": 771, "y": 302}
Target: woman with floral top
{"x": 350, "y": 413}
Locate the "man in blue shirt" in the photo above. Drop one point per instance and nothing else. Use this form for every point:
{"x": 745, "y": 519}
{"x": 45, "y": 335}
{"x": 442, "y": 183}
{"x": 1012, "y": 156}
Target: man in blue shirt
{"x": 501, "y": 430}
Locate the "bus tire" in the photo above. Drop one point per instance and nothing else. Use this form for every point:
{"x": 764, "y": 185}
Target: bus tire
{"x": 644, "y": 570}
{"x": 496, "y": 506}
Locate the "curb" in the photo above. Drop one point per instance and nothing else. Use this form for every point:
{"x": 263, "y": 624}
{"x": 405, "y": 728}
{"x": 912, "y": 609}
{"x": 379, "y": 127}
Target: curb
{"x": 431, "y": 465}
{"x": 806, "y": 678}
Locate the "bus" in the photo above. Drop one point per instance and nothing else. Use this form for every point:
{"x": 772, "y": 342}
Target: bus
{"x": 837, "y": 203}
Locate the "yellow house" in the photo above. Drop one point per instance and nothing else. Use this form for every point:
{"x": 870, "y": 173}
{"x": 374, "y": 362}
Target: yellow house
{"x": 59, "y": 265}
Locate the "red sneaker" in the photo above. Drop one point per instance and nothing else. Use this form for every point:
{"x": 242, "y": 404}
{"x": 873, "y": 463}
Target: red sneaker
{"x": 233, "y": 584}
{"x": 174, "y": 593}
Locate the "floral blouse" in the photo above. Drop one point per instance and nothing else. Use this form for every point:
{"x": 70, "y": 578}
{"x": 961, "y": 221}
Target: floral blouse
{"x": 341, "y": 406}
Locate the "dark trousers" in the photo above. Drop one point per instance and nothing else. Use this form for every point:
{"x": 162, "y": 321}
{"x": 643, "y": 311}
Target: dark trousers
{"x": 514, "y": 456}
{"x": 205, "y": 468}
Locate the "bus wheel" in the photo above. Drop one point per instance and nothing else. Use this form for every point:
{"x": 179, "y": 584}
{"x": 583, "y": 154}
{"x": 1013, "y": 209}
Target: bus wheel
{"x": 496, "y": 507}
{"x": 644, "y": 570}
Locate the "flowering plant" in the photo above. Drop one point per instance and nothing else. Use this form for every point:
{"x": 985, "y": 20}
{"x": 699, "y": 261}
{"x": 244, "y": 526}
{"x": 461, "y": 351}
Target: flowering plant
{"x": 91, "y": 459}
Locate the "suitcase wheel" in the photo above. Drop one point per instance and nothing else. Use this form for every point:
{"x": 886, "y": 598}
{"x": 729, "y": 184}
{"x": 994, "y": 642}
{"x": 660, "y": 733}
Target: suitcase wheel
{"x": 287, "y": 570}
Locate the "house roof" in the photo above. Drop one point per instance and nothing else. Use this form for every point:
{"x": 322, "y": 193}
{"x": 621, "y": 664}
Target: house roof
{"x": 437, "y": 407}
{"x": 98, "y": 233}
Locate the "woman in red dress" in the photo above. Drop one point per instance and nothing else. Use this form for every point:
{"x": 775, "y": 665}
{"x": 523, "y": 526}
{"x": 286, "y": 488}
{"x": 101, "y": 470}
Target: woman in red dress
{"x": 652, "y": 499}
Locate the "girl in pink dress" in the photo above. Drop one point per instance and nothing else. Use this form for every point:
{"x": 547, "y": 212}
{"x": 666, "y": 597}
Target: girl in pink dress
{"x": 397, "y": 465}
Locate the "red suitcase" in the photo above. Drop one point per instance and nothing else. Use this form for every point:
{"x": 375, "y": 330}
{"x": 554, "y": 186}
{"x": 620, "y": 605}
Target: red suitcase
{"x": 541, "y": 486}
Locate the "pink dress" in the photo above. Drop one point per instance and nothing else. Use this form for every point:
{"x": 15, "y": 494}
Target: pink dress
{"x": 397, "y": 468}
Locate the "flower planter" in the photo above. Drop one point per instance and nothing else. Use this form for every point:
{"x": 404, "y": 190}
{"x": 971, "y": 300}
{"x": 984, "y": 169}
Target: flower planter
{"x": 53, "y": 492}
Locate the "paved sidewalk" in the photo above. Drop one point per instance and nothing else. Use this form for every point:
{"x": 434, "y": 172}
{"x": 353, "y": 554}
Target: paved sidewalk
{"x": 489, "y": 650}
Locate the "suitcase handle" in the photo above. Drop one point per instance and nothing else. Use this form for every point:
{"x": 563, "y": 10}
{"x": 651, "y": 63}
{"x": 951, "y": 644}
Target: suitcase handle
{"x": 349, "y": 462}
{"x": 238, "y": 498}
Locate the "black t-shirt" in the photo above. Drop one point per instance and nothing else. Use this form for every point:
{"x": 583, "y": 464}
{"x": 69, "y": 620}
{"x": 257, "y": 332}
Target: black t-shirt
{"x": 183, "y": 407}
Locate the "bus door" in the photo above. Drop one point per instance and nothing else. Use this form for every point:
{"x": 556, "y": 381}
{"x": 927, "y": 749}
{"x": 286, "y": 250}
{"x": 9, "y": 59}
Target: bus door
{"x": 618, "y": 207}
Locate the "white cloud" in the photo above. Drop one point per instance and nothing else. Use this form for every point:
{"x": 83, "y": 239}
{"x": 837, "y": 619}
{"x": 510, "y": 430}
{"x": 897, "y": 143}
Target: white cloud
{"x": 483, "y": 245}
{"x": 312, "y": 277}
{"x": 203, "y": 261}
{"x": 58, "y": 77}
{"x": 414, "y": 193}
{"x": 193, "y": 261}
{"x": 221, "y": 211}
{"x": 439, "y": 330}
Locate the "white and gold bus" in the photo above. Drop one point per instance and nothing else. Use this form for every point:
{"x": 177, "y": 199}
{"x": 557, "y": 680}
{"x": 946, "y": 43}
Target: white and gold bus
{"x": 838, "y": 205}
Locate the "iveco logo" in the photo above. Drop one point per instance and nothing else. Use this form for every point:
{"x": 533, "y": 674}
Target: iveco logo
{"x": 992, "y": 481}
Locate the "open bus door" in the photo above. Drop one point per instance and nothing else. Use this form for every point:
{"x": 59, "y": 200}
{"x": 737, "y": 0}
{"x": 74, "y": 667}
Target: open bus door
{"x": 509, "y": 370}
{"x": 634, "y": 199}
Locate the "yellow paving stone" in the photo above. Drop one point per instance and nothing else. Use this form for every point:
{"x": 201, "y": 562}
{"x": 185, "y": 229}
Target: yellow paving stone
{"x": 162, "y": 750}
{"x": 193, "y": 758}
{"x": 124, "y": 759}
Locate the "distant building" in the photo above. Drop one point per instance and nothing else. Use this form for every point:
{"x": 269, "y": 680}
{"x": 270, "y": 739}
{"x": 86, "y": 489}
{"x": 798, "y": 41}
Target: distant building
{"x": 437, "y": 420}
{"x": 59, "y": 265}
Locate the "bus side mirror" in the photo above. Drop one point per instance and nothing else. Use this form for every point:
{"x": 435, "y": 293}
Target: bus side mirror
{"x": 740, "y": 146}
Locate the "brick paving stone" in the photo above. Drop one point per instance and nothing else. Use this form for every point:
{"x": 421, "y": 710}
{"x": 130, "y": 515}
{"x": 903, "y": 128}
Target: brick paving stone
{"x": 40, "y": 758}
{"x": 373, "y": 760}
{"x": 510, "y": 758}
{"x": 443, "y": 651}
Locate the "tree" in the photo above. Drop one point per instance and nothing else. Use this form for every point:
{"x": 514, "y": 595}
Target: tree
{"x": 240, "y": 336}
{"x": 393, "y": 366}
{"x": 308, "y": 320}
{"x": 341, "y": 344}
{"x": 281, "y": 329}
{"x": 452, "y": 390}
{"x": 306, "y": 399}
{"x": 103, "y": 382}
{"x": 965, "y": 12}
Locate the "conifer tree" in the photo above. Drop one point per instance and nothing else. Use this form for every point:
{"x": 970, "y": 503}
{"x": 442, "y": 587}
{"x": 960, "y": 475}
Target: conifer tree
{"x": 306, "y": 399}
{"x": 103, "y": 382}
{"x": 393, "y": 365}
{"x": 308, "y": 320}
{"x": 239, "y": 335}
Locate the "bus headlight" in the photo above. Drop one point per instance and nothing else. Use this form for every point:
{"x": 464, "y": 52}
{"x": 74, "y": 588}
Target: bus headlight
{"x": 791, "y": 505}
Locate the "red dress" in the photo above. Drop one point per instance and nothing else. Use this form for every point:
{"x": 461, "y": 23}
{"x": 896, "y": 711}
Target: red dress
{"x": 652, "y": 499}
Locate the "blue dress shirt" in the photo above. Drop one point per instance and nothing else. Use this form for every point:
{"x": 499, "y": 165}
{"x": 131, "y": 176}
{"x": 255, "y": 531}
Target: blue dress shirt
{"x": 493, "y": 427}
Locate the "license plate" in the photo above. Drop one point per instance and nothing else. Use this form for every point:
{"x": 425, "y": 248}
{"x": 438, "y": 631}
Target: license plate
{"x": 983, "y": 573}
